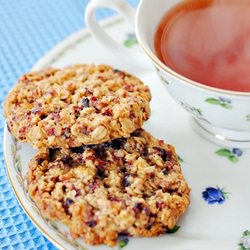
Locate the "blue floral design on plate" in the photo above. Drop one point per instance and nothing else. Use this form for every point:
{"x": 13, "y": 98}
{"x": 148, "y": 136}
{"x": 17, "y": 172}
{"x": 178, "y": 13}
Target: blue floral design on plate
{"x": 173, "y": 230}
{"x": 231, "y": 154}
{"x": 245, "y": 241}
{"x": 123, "y": 243}
{"x": 214, "y": 195}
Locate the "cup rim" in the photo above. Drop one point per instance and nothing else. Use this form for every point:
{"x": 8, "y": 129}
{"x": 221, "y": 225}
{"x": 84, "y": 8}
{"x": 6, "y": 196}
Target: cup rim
{"x": 174, "y": 74}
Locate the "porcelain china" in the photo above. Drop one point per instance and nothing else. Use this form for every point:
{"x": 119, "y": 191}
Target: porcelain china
{"x": 218, "y": 216}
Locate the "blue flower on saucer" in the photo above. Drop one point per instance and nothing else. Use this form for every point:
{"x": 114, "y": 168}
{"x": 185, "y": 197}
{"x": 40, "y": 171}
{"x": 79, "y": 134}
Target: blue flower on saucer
{"x": 232, "y": 155}
{"x": 236, "y": 151}
{"x": 214, "y": 195}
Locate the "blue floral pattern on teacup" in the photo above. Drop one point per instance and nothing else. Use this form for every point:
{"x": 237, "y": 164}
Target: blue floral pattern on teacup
{"x": 194, "y": 111}
{"x": 131, "y": 40}
{"x": 214, "y": 195}
{"x": 161, "y": 75}
{"x": 220, "y": 101}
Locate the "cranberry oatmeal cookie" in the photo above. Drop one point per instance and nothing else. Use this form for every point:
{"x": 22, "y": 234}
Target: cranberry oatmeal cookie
{"x": 81, "y": 104}
{"x": 131, "y": 186}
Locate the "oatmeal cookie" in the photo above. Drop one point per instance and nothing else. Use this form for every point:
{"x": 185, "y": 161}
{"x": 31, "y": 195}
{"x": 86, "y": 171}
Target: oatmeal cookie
{"x": 81, "y": 104}
{"x": 131, "y": 186}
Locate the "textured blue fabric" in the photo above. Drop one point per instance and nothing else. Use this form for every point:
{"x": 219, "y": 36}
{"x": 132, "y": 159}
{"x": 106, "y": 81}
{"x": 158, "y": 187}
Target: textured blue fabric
{"x": 28, "y": 29}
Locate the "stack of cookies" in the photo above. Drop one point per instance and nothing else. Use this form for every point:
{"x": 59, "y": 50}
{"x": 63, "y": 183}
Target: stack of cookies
{"x": 96, "y": 170}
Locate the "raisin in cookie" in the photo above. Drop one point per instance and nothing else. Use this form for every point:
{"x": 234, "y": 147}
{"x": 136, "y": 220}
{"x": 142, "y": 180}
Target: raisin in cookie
{"x": 131, "y": 186}
{"x": 81, "y": 104}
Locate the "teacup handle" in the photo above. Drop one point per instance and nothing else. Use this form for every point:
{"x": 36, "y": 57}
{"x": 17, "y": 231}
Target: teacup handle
{"x": 121, "y": 6}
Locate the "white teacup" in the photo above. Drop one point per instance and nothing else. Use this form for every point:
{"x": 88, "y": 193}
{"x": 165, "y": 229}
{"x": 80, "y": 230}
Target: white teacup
{"x": 219, "y": 115}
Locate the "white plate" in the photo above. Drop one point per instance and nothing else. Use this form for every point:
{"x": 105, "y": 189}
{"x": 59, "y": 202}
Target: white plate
{"x": 225, "y": 170}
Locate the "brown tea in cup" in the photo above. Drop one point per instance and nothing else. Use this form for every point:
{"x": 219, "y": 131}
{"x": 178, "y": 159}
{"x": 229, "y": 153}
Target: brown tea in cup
{"x": 208, "y": 41}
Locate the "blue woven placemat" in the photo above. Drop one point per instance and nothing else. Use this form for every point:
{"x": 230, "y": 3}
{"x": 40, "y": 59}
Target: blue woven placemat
{"x": 28, "y": 29}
